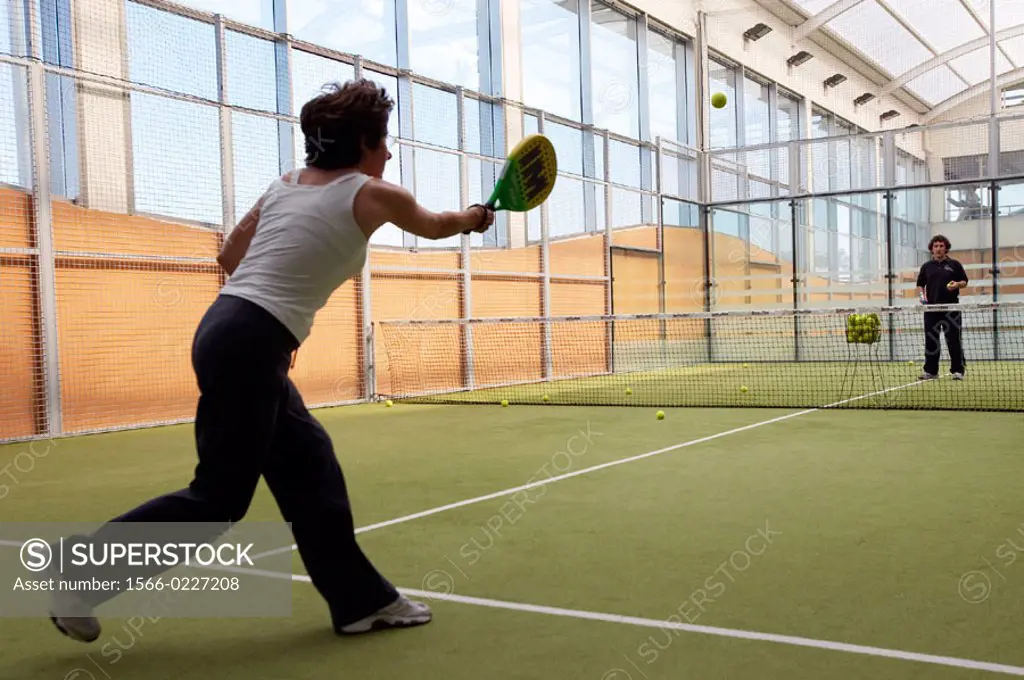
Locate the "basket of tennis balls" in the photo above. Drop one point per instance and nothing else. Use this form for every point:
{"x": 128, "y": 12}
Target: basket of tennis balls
{"x": 863, "y": 328}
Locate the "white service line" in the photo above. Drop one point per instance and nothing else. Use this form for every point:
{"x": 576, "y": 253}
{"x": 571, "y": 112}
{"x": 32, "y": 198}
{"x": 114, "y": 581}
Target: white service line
{"x": 706, "y": 630}
{"x": 723, "y": 632}
{"x": 593, "y": 468}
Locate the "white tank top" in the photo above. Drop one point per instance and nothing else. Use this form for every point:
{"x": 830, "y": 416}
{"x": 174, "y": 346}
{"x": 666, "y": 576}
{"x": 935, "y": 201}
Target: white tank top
{"x": 306, "y": 245}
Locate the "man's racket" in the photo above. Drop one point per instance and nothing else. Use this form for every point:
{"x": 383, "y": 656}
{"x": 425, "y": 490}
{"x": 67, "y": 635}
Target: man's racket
{"x": 527, "y": 177}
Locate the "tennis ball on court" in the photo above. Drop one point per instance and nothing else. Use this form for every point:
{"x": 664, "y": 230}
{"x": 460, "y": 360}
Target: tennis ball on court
{"x": 546, "y": 398}
{"x": 746, "y": 365}
{"x": 718, "y": 100}
{"x": 504, "y": 402}
{"x": 660, "y": 415}
{"x": 910, "y": 363}
{"x": 743, "y": 388}
{"x": 389, "y": 403}
{"x": 629, "y": 390}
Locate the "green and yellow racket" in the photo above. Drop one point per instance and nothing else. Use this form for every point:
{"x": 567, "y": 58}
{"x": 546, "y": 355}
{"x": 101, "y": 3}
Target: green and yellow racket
{"x": 527, "y": 177}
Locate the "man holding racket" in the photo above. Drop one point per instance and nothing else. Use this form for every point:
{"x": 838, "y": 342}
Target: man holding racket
{"x": 305, "y": 237}
{"x": 939, "y": 283}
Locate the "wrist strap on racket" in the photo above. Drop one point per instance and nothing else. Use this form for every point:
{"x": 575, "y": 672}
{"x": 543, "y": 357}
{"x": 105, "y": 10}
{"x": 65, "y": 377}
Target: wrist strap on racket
{"x": 482, "y": 217}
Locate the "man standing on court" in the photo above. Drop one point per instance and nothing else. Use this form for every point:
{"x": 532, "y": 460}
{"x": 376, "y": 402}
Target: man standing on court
{"x": 939, "y": 283}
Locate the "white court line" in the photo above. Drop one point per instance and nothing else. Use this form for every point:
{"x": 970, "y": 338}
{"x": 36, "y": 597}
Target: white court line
{"x": 692, "y": 628}
{"x": 593, "y": 468}
{"x": 667, "y": 625}
{"x": 724, "y": 632}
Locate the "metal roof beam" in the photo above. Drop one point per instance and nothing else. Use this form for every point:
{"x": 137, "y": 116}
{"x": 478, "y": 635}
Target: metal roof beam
{"x": 823, "y": 17}
{"x": 946, "y": 57}
{"x": 970, "y": 93}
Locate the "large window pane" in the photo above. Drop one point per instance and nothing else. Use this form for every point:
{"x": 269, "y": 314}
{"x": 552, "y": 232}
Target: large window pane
{"x": 756, "y": 113}
{"x": 723, "y": 121}
{"x": 171, "y": 52}
{"x": 443, "y": 42}
{"x": 568, "y": 143}
{"x": 662, "y": 79}
{"x": 364, "y": 27}
{"x": 15, "y": 167}
{"x": 253, "y": 12}
{"x": 311, "y": 72}
{"x": 252, "y": 72}
{"x": 256, "y": 165}
{"x": 6, "y": 44}
{"x": 788, "y": 121}
{"x": 820, "y": 124}
{"x": 624, "y": 162}
{"x": 787, "y": 129}
{"x": 433, "y": 119}
{"x": 437, "y": 189}
{"x": 625, "y": 208}
{"x": 388, "y": 234}
{"x": 550, "y": 51}
{"x": 565, "y": 209}
{"x": 176, "y": 158}
{"x": 615, "y": 71}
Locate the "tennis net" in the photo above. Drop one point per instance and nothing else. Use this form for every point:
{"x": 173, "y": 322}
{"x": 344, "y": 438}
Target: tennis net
{"x": 815, "y": 358}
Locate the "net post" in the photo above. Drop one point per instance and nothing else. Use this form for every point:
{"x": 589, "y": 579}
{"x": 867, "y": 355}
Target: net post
{"x": 662, "y": 307}
{"x": 890, "y": 275}
{"x": 610, "y": 292}
{"x": 46, "y": 283}
{"x": 705, "y": 223}
{"x": 995, "y": 189}
{"x": 366, "y": 299}
{"x": 465, "y": 244}
{"x": 545, "y": 263}
{"x": 795, "y": 279}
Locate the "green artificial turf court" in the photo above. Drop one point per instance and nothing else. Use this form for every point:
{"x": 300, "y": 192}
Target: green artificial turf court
{"x": 829, "y": 527}
{"x": 846, "y": 384}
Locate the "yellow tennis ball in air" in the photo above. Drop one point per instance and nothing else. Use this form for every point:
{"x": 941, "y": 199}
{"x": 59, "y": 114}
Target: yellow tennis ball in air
{"x": 389, "y": 403}
{"x": 660, "y": 415}
{"x": 546, "y": 398}
{"x": 743, "y": 389}
{"x": 629, "y": 390}
{"x": 910, "y": 363}
{"x": 746, "y": 365}
{"x": 719, "y": 100}
{"x": 504, "y": 402}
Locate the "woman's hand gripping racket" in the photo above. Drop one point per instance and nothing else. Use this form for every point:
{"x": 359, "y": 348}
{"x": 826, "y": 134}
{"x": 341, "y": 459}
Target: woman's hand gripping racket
{"x": 527, "y": 177}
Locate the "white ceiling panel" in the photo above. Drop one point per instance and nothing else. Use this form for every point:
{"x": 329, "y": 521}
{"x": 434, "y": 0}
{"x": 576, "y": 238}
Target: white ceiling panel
{"x": 813, "y": 6}
{"x": 945, "y": 24}
{"x": 1008, "y": 12}
{"x": 1015, "y": 48}
{"x": 878, "y": 35}
{"x": 975, "y": 66}
{"x": 937, "y": 85}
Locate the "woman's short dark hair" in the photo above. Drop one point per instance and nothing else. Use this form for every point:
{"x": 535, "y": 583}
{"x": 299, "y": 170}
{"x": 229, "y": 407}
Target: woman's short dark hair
{"x": 338, "y": 122}
{"x": 939, "y": 238}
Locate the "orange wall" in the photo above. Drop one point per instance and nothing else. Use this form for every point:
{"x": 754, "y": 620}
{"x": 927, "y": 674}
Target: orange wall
{"x": 20, "y": 387}
{"x": 15, "y": 219}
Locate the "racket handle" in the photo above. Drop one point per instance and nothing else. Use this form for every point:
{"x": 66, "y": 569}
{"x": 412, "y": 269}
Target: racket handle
{"x": 487, "y": 206}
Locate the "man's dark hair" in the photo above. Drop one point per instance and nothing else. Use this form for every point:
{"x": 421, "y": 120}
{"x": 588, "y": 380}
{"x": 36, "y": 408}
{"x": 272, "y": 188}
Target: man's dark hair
{"x": 337, "y": 123}
{"x": 939, "y": 238}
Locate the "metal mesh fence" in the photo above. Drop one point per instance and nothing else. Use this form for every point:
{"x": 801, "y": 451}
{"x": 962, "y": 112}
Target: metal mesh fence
{"x": 120, "y": 177}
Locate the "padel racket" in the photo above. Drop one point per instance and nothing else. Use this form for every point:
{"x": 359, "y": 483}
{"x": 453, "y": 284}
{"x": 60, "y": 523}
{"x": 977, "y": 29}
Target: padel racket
{"x": 527, "y": 177}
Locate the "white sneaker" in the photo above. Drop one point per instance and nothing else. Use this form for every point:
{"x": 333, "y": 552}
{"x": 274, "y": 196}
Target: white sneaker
{"x": 927, "y": 376}
{"x": 73, "y": 617}
{"x": 958, "y": 376}
{"x": 83, "y": 626}
{"x": 401, "y": 613}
